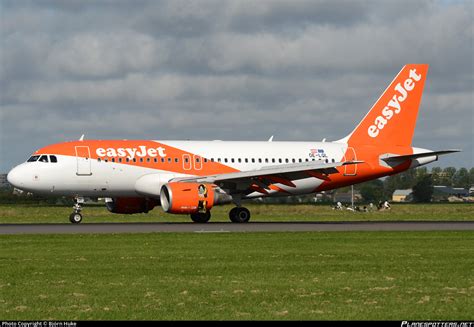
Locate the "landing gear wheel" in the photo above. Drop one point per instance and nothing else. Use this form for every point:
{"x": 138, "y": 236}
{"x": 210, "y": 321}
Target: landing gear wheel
{"x": 239, "y": 215}
{"x": 75, "y": 218}
{"x": 200, "y": 217}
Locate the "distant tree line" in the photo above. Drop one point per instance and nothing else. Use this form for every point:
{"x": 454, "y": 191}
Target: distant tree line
{"x": 420, "y": 180}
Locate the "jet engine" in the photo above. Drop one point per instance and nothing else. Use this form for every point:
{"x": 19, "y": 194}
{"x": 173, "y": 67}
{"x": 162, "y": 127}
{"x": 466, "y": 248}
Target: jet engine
{"x": 130, "y": 205}
{"x": 189, "y": 198}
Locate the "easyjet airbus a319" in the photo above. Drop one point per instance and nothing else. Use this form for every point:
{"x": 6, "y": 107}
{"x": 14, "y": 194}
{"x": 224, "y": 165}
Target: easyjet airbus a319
{"x": 190, "y": 177}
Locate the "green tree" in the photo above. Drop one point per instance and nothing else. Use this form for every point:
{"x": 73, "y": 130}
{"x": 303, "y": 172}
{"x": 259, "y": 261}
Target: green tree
{"x": 436, "y": 173}
{"x": 471, "y": 177}
{"x": 372, "y": 191}
{"x": 461, "y": 178}
{"x": 447, "y": 176}
{"x": 423, "y": 190}
{"x": 403, "y": 180}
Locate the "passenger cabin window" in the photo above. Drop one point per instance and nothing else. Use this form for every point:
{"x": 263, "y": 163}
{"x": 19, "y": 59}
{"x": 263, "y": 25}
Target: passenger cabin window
{"x": 33, "y": 159}
{"x": 43, "y": 159}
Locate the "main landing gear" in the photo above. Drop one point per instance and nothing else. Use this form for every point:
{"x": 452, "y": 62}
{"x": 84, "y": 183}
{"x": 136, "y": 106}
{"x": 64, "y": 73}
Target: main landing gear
{"x": 201, "y": 217}
{"x": 76, "y": 216}
{"x": 239, "y": 215}
{"x": 236, "y": 215}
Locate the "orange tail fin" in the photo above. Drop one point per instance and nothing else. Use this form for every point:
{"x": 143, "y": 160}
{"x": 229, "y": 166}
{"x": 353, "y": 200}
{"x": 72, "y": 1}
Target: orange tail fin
{"x": 392, "y": 119}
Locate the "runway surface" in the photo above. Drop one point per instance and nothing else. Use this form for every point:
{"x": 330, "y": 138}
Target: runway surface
{"x": 101, "y": 228}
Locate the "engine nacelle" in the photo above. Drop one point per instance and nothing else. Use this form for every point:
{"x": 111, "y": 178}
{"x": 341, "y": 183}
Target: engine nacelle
{"x": 130, "y": 205}
{"x": 186, "y": 198}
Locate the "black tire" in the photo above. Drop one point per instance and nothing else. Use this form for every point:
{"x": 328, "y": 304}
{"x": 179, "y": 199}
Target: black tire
{"x": 233, "y": 215}
{"x": 239, "y": 215}
{"x": 200, "y": 217}
{"x": 75, "y": 218}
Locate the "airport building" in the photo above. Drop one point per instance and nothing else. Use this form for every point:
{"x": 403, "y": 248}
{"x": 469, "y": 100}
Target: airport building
{"x": 448, "y": 193}
{"x": 402, "y": 195}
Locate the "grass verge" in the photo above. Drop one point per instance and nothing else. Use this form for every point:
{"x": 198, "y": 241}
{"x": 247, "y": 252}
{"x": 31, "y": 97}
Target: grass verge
{"x": 316, "y": 276}
{"x": 260, "y": 212}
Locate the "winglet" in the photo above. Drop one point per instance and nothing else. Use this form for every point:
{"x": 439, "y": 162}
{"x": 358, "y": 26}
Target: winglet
{"x": 81, "y": 138}
{"x": 270, "y": 139}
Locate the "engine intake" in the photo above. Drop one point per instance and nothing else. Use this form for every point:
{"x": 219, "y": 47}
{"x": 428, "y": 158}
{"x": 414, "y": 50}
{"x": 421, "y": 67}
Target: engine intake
{"x": 131, "y": 205}
{"x": 187, "y": 198}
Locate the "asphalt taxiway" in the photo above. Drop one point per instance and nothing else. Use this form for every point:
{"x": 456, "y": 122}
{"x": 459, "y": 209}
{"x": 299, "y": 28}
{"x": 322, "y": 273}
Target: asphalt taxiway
{"x": 101, "y": 228}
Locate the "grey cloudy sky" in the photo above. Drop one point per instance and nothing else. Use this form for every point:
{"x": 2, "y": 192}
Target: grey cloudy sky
{"x": 231, "y": 70}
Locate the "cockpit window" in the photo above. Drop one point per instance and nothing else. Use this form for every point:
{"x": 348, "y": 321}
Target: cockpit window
{"x": 43, "y": 159}
{"x": 53, "y": 159}
{"x": 33, "y": 159}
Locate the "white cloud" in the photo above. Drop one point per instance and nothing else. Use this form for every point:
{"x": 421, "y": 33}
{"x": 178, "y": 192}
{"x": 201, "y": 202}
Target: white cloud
{"x": 106, "y": 54}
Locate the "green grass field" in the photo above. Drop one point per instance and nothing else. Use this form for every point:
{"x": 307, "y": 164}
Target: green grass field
{"x": 260, "y": 212}
{"x": 317, "y": 276}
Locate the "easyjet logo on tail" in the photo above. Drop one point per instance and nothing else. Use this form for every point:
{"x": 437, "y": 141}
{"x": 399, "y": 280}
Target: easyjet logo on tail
{"x": 142, "y": 151}
{"x": 394, "y": 106}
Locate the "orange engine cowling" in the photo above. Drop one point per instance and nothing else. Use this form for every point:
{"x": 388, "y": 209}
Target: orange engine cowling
{"x": 184, "y": 198}
{"x": 131, "y": 205}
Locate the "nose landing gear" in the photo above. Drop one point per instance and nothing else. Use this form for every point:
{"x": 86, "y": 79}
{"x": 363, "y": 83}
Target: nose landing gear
{"x": 76, "y": 216}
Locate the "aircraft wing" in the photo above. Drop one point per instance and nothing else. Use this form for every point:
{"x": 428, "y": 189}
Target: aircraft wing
{"x": 260, "y": 179}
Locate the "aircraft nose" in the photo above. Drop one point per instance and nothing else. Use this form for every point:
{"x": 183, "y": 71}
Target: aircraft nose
{"x": 15, "y": 177}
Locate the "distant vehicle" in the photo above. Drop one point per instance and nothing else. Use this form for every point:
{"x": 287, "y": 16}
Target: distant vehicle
{"x": 190, "y": 177}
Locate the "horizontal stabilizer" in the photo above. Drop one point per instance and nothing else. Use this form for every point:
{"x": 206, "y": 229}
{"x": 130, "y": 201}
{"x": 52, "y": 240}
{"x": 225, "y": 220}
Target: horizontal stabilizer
{"x": 388, "y": 158}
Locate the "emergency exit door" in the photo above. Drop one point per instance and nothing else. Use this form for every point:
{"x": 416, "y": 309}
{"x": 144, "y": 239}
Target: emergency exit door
{"x": 350, "y": 155}
{"x": 83, "y": 157}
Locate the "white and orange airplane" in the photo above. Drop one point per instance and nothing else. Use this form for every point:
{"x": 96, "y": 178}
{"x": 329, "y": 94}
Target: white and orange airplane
{"x": 190, "y": 177}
